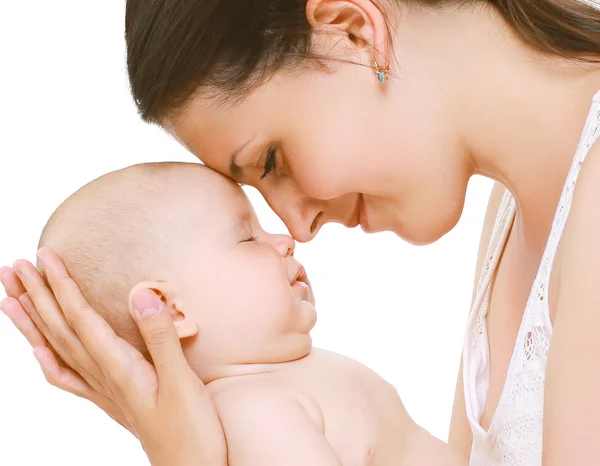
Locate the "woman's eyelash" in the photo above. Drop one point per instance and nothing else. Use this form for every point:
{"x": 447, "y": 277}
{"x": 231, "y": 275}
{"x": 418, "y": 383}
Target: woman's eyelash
{"x": 270, "y": 162}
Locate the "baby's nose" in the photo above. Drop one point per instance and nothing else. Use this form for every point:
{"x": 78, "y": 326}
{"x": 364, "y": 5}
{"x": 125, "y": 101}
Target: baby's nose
{"x": 284, "y": 244}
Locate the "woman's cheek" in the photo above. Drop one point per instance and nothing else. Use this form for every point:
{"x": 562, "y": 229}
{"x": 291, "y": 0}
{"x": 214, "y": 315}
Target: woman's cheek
{"x": 317, "y": 178}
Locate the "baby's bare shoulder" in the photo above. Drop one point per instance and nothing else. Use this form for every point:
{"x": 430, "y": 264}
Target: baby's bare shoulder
{"x": 263, "y": 418}
{"x": 242, "y": 396}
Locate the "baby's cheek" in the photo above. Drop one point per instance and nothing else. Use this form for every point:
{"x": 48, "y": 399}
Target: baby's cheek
{"x": 306, "y": 317}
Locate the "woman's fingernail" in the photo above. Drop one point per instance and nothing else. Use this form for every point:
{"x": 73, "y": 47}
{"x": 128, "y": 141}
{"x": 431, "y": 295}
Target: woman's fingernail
{"x": 2, "y": 303}
{"x": 146, "y": 303}
{"x": 148, "y": 312}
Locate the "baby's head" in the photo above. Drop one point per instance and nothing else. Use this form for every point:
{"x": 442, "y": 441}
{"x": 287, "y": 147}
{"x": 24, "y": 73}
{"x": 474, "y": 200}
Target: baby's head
{"x": 234, "y": 292}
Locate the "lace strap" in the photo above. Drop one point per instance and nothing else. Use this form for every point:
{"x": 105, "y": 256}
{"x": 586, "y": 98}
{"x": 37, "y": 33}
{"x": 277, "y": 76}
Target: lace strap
{"x": 502, "y": 226}
{"x": 590, "y": 135}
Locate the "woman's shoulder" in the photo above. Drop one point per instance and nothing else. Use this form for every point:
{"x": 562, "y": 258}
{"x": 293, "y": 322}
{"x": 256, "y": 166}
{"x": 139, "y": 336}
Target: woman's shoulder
{"x": 580, "y": 243}
{"x": 571, "y": 409}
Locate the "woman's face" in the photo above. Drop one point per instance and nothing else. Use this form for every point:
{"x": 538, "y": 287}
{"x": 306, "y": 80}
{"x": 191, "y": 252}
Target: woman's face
{"x": 338, "y": 146}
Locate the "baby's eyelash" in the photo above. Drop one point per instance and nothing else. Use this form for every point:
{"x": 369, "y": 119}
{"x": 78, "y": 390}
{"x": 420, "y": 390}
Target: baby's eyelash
{"x": 270, "y": 162}
{"x": 254, "y": 238}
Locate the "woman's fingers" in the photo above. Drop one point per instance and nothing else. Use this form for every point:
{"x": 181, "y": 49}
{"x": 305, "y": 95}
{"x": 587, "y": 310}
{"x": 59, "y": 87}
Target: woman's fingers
{"x": 43, "y": 307}
{"x": 113, "y": 355}
{"x": 44, "y": 311}
{"x": 59, "y": 375}
{"x": 128, "y": 375}
{"x": 69, "y": 358}
{"x": 12, "y": 285}
{"x": 79, "y": 315}
{"x": 15, "y": 312}
{"x": 67, "y": 293}
{"x": 30, "y": 309}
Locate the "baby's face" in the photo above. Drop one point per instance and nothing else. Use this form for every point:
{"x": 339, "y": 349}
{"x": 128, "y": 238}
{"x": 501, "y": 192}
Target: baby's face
{"x": 250, "y": 298}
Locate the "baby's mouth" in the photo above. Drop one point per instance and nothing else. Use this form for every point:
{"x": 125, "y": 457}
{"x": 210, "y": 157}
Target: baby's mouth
{"x": 301, "y": 277}
{"x": 301, "y": 284}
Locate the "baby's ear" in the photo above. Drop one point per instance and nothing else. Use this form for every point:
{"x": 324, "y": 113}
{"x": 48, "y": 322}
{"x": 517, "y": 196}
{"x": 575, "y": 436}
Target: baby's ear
{"x": 185, "y": 326}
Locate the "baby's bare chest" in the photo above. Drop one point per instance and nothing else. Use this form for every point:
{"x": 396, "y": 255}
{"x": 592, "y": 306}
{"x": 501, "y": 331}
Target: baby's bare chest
{"x": 361, "y": 415}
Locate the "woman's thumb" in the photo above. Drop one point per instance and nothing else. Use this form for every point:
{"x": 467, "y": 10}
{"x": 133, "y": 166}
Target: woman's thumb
{"x": 157, "y": 330}
{"x": 146, "y": 303}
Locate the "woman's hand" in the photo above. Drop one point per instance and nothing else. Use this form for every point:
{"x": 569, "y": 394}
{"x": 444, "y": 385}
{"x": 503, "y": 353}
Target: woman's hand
{"x": 165, "y": 405}
{"x": 23, "y": 314}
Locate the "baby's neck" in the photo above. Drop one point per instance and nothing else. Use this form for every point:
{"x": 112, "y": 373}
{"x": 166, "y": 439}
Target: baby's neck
{"x": 227, "y": 372}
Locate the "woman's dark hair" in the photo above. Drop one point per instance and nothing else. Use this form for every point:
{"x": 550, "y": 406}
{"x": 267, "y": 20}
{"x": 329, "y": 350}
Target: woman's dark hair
{"x": 175, "y": 47}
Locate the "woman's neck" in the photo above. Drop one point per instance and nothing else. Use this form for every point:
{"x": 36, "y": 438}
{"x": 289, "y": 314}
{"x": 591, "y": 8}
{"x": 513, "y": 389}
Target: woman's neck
{"x": 524, "y": 114}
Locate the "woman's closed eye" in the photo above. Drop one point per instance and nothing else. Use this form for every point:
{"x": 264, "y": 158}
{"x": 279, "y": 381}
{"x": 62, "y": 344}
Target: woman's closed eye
{"x": 270, "y": 162}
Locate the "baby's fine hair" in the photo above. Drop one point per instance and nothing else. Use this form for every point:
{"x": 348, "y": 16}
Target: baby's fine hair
{"x": 112, "y": 234}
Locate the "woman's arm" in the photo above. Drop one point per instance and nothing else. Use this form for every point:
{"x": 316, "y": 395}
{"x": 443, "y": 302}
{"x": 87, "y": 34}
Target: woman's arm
{"x": 165, "y": 404}
{"x": 460, "y": 437}
{"x": 572, "y": 392}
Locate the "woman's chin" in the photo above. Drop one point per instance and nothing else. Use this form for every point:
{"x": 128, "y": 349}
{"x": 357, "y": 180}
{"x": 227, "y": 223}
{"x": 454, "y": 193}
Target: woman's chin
{"x": 425, "y": 233}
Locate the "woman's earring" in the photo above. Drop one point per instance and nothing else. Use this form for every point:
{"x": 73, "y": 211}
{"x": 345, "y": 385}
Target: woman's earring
{"x": 382, "y": 72}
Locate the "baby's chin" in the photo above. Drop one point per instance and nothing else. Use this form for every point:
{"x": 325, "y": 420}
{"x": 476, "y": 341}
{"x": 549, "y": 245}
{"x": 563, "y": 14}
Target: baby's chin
{"x": 299, "y": 346}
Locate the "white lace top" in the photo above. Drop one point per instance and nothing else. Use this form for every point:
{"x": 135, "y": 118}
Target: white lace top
{"x": 514, "y": 437}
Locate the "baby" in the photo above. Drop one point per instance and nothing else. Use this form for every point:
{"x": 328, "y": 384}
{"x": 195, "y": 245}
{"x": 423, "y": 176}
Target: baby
{"x": 243, "y": 309}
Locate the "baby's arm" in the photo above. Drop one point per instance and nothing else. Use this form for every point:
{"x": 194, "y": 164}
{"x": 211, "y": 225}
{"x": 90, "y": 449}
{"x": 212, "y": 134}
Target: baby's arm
{"x": 266, "y": 425}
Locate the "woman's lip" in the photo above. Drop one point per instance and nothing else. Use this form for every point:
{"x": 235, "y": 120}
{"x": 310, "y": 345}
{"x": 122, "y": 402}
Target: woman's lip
{"x": 364, "y": 221}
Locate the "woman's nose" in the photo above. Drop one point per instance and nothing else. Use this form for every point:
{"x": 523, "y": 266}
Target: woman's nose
{"x": 303, "y": 215}
{"x": 303, "y": 224}
{"x": 305, "y": 218}
{"x": 299, "y": 213}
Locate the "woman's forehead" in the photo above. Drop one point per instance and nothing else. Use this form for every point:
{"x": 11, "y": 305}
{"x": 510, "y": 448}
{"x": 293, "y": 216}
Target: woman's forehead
{"x": 206, "y": 131}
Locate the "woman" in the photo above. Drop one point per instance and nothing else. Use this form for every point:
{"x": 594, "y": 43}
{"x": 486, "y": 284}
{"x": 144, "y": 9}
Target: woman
{"x": 378, "y": 113}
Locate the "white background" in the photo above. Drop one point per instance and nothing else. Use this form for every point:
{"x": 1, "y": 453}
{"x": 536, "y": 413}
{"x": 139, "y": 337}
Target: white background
{"x": 66, "y": 117}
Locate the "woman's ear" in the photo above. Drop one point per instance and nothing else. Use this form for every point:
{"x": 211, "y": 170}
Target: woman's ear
{"x": 361, "y": 21}
{"x": 185, "y": 326}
